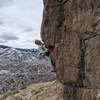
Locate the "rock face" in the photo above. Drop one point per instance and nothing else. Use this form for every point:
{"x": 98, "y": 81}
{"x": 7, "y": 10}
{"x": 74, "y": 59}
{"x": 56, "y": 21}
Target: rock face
{"x": 71, "y": 31}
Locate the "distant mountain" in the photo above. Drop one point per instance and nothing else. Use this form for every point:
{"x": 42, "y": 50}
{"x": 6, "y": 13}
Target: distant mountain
{"x": 33, "y": 51}
{"x": 19, "y": 67}
{"x": 3, "y": 46}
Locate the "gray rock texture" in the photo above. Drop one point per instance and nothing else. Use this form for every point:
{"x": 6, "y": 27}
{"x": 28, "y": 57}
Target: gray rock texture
{"x": 20, "y": 67}
{"x": 71, "y": 31}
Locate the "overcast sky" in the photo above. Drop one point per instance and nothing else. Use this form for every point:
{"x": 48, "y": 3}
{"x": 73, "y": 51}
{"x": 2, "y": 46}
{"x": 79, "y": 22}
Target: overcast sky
{"x": 20, "y": 22}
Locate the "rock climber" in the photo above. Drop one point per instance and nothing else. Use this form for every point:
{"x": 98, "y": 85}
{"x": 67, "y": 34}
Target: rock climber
{"x": 44, "y": 53}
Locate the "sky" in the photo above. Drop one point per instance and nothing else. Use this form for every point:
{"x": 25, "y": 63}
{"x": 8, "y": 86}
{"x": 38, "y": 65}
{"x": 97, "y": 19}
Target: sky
{"x": 20, "y": 22}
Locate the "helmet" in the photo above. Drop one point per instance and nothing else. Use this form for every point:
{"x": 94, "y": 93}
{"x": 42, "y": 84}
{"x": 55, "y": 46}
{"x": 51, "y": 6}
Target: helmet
{"x": 38, "y": 42}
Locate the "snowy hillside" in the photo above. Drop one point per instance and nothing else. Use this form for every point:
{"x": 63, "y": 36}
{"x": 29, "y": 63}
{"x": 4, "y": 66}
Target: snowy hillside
{"x": 19, "y": 67}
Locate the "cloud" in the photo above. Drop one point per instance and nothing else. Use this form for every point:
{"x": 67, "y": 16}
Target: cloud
{"x": 28, "y": 29}
{"x": 4, "y": 3}
{"x": 3, "y": 41}
{"x": 8, "y": 37}
{"x": 1, "y": 22}
{"x": 20, "y": 22}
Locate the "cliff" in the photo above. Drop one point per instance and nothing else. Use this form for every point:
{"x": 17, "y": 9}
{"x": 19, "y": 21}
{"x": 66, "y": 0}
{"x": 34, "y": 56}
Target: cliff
{"x": 71, "y": 31}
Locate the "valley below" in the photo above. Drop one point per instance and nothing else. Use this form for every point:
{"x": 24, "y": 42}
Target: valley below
{"x": 38, "y": 91}
{"x": 21, "y": 67}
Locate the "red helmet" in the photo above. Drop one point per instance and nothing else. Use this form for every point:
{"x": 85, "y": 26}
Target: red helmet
{"x": 38, "y": 42}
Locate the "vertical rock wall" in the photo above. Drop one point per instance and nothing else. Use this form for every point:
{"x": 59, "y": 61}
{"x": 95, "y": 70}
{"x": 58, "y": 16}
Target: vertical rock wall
{"x": 71, "y": 31}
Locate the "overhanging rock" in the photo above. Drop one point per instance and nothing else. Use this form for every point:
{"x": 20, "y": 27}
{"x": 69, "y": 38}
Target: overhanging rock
{"x": 71, "y": 31}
